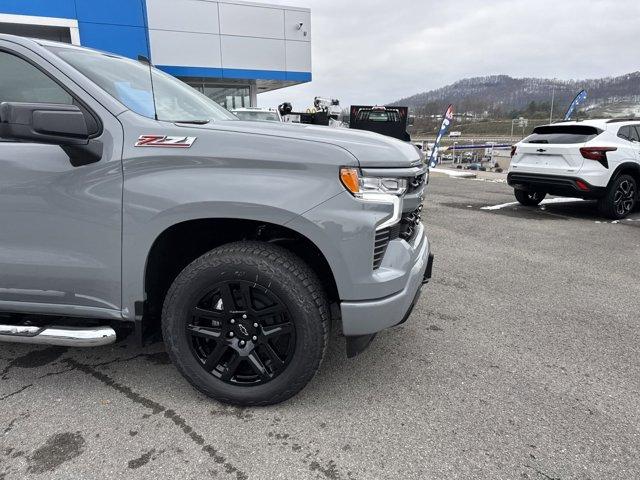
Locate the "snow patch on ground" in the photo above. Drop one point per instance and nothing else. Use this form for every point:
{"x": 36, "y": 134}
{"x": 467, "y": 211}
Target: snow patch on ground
{"x": 453, "y": 173}
{"x": 544, "y": 202}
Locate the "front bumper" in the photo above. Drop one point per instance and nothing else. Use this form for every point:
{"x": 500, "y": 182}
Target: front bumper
{"x": 367, "y": 317}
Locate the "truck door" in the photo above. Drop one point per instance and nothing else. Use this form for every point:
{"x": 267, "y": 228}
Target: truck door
{"x": 60, "y": 225}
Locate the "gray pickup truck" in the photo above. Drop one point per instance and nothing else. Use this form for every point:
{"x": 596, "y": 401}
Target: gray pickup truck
{"x": 129, "y": 206}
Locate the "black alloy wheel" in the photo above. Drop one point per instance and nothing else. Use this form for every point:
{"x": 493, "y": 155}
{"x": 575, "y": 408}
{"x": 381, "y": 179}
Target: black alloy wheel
{"x": 624, "y": 198}
{"x": 247, "y": 323}
{"x": 620, "y": 198}
{"x": 241, "y": 333}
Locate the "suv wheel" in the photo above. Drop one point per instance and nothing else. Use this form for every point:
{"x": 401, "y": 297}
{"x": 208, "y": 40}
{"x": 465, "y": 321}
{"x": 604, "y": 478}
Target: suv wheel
{"x": 246, "y": 324}
{"x": 620, "y": 199}
{"x": 530, "y": 199}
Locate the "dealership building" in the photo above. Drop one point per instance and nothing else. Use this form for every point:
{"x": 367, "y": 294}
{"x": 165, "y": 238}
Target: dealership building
{"x": 229, "y": 50}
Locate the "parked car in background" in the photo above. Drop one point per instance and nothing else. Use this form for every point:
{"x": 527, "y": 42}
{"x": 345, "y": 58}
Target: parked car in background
{"x": 475, "y": 166}
{"x": 389, "y": 121}
{"x": 591, "y": 159}
{"x": 255, "y": 114}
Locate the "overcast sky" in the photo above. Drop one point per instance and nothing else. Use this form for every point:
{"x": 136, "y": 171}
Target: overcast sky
{"x": 377, "y": 51}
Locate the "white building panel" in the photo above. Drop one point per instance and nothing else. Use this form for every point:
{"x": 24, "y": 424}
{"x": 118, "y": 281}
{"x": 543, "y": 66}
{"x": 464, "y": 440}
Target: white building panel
{"x": 253, "y": 53}
{"x": 185, "y": 49}
{"x": 297, "y": 25}
{"x": 298, "y": 56}
{"x": 196, "y": 16}
{"x": 251, "y": 21}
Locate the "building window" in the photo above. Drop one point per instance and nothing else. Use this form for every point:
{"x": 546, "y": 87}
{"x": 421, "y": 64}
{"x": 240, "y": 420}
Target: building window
{"x": 229, "y": 96}
{"x": 44, "y": 32}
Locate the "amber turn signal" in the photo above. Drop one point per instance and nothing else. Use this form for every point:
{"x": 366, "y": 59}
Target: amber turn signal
{"x": 350, "y": 179}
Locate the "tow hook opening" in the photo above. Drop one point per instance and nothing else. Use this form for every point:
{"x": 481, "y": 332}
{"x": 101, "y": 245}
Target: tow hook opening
{"x": 428, "y": 271}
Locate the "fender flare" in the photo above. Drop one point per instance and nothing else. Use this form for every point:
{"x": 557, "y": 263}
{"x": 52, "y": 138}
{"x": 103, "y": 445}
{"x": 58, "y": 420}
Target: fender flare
{"x": 626, "y": 166}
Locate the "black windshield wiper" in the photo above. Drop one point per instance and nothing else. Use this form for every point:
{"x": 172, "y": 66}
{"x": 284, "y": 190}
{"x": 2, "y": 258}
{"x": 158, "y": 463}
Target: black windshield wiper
{"x": 193, "y": 122}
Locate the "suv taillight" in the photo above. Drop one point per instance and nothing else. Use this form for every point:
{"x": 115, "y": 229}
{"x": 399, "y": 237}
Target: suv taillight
{"x": 599, "y": 154}
{"x": 514, "y": 149}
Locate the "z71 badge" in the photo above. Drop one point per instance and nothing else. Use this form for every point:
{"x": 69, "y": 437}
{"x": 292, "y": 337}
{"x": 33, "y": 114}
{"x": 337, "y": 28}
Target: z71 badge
{"x": 163, "y": 141}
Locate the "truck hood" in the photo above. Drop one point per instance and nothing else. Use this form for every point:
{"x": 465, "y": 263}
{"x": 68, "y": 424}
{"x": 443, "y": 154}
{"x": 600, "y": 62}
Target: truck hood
{"x": 370, "y": 149}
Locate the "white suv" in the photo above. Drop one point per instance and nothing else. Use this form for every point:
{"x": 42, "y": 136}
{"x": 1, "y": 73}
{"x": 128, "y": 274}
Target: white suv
{"x": 592, "y": 159}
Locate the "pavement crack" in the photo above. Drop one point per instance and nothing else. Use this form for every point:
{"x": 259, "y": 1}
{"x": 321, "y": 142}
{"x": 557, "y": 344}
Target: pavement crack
{"x": 542, "y": 474}
{"x": 156, "y": 408}
{"x": 16, "y": 392}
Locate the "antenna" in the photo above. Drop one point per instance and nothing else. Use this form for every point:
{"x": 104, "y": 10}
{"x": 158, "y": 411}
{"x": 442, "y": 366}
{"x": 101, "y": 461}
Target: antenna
{"x": 146, "y": 61}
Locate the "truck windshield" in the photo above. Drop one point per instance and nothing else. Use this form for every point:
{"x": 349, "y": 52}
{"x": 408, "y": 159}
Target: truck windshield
{"x": 130, "y": 83}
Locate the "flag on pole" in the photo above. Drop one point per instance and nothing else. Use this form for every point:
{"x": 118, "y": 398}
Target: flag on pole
{"x": 446, "y": 123}
{"x": 580, "y": 98}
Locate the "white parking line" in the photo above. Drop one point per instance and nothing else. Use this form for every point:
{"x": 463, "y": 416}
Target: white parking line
{"x": 544, "y": 202}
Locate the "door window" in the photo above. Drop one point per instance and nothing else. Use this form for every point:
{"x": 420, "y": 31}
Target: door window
{"x": 629, "y": 133}
{"x": 22, "y": 82}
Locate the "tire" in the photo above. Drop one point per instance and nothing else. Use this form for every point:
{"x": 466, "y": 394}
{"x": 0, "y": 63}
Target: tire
{"x": 530, "y": 199}
{"x": 284, "y": 342}
{"x": 620, "y": 199}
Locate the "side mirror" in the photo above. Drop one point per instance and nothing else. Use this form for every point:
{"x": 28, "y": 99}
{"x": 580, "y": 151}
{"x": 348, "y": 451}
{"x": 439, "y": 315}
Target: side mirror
{"x": 53, "y": 124}
{"x": 43, "y": 123}
{"x": 411, "y": 121}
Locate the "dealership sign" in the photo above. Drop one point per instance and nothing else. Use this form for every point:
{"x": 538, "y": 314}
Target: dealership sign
{"x": 444, "y": 127}
{"x": 580, "y": 98}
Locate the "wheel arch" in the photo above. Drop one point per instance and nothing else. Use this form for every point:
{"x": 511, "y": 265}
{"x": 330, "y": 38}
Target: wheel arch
{"x": 629, "y": 168}
{"x": 181, "y": 243}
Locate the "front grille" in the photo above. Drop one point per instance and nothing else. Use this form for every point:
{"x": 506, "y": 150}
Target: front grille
{"x": 383, "y": 237}
{"x": 417, "y": 182}
{"x": 405, "y": 229}
{"x": 409, "y": 224}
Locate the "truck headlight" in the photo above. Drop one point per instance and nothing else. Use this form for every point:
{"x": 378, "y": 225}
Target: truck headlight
{"x": 360, "y": 185}
{"x": 380, "y": 190}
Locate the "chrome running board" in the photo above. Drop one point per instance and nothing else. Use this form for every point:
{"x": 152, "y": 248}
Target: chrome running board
{"x": 59, "y": 336}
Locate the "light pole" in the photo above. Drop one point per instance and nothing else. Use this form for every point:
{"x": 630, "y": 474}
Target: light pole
{"x": 553, "y": 97}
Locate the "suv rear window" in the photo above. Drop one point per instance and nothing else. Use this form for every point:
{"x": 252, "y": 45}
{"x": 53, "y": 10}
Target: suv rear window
{"x": 563, "y": 134}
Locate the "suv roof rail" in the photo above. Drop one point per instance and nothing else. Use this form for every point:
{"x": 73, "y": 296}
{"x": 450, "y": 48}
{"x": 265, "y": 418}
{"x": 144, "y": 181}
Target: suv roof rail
{"x": 619, "y": 120}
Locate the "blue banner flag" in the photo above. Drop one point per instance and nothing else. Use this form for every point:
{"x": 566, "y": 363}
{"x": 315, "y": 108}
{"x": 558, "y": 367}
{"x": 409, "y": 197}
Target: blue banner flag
{"x": 580, "y": 98}
{"x": 446, "y": 123}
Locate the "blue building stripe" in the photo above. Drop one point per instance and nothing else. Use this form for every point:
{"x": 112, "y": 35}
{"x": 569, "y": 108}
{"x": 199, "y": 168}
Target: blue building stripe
{"x": 235, "y": 73}
{"x": 121, "y": 40}
{"x": 191, "y": 71}
{"x": 113, "y": 12}
{"x": 254, "y": 74}
{"x": 299, "y": 76}
{"x": 40, "y": 8}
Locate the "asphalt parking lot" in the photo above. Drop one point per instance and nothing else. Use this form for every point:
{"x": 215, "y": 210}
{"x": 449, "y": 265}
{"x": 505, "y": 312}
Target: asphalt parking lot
{"x": 521, "y": 361}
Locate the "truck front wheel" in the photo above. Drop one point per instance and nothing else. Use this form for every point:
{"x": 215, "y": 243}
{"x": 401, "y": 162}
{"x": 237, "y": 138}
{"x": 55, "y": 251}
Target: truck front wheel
{"x": 247, "y": 323}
